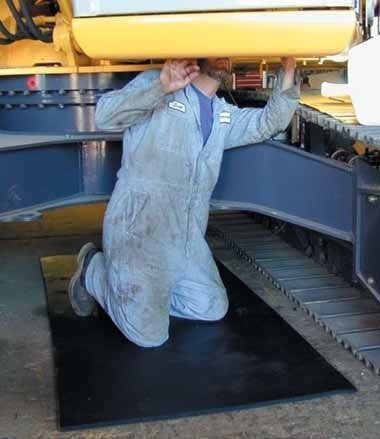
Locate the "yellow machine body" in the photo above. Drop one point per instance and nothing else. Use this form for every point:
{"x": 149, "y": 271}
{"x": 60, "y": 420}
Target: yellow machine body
{"x": 134, "y": 42}
{"x": 222, "y": 34}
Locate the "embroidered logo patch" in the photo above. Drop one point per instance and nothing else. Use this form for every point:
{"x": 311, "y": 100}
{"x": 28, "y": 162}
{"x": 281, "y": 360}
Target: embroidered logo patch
{"x": 175, "y": 105}
{"x": 225, "y": 117}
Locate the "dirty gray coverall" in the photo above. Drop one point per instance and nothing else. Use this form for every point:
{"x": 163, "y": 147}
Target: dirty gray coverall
{"x": 155, "y": 260}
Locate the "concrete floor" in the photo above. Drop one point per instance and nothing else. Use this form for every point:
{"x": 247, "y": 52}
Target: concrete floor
{"x": 27, "y": 400}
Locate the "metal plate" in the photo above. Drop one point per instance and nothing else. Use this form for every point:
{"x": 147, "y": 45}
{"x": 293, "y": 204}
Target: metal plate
{"x": 363, "y": 341}
{"x": 329, "y": 295}
{"x": 121, "y": 7}
{"x": 372, "y": 358}
{"x": 347, "y": 307}
{"x": 297, "y": 262}
{"x": 316, "y": 283}
{"x": 262, "y": 248}
{"x": 293, "y": 273}
{"x": 341, "y": 325}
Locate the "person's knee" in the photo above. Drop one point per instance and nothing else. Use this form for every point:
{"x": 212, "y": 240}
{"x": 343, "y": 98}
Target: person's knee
{"x": 218, "y": 308}
{"x": 142, "y": 330}
{"x": 199, "y": 304}
{"x": 151, "y": 342}
{"x": 147, "y": 333}
{"x": 145, "y": 339}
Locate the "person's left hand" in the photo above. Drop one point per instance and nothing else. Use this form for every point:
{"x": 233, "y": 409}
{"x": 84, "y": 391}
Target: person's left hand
{"x": 289, "y": 65}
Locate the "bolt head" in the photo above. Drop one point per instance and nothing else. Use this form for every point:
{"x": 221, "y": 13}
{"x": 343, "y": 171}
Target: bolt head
{"x": 371, "y": 281}
{"x": 373, "y": 198}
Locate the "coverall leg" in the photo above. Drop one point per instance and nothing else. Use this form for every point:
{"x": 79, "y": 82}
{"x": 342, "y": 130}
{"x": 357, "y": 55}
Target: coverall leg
{"x": 133, "y": 278}
{"x": 200, "y": 293}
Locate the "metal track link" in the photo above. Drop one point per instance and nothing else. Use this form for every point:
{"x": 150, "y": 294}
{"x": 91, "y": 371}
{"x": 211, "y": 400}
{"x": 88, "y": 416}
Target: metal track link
{"x": 350, "y": 315}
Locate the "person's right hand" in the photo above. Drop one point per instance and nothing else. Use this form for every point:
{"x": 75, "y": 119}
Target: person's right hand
{"x": 177, "y": 74}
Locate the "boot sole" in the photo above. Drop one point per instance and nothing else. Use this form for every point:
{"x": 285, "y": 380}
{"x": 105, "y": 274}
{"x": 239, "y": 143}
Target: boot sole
{"x": 76, "y": 278}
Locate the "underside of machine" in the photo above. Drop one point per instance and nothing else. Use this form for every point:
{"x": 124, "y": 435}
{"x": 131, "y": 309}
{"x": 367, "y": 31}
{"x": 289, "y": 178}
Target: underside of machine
{"x": 78, "y": 35}
{"x": 318, "y": 187}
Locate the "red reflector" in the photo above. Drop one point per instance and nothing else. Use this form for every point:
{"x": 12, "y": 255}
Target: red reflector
{"x": 32, "y": 83}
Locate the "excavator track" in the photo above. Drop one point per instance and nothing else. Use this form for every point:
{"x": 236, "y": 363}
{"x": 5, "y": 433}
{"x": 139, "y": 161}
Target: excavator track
{"x": 351, "y": 315}
{"x": 369, "y": 135}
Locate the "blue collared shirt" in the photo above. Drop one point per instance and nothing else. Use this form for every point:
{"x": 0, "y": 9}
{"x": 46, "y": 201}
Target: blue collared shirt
{"x": 206, "y": 113}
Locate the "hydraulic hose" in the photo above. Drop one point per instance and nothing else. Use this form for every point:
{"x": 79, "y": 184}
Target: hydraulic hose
{"x": 4, "y": 41}
{"x": 16, "y": 15}
{"x": 32, "y": 28}
{"x": 8, "y": 36}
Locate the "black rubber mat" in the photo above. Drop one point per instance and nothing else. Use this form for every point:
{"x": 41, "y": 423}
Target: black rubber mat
{"x": 252, "y": 357}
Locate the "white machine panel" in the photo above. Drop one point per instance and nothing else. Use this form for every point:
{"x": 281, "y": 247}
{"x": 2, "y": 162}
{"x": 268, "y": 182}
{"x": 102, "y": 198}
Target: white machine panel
{"x": 89, "y": 8}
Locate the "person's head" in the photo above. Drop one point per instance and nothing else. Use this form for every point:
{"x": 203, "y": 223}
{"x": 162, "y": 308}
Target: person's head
{"x": 216, "y": 68}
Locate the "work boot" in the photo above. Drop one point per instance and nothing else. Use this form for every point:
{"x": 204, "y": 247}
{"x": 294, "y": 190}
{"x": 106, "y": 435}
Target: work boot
{"x": 82, "y": 302}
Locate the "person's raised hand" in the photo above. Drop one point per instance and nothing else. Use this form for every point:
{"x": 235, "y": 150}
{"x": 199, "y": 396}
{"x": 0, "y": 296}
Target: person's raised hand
{"x": 289, "y": 65}
{"x": 177, "y": 74}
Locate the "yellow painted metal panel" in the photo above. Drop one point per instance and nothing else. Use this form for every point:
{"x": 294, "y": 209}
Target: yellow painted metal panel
{"x": 69, "y": 221}
{"x": 338, "y": 108}
{"x": 47, "y": 70}
{"x": 58, "y": 267}
{"x": 277, "y": 33}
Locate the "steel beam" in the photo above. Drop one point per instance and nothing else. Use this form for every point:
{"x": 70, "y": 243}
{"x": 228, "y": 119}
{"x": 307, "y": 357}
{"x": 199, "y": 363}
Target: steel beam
{"x": 280, "y": 181}
{"x": 41, "y": 176}
{"x": 289, "y": 184}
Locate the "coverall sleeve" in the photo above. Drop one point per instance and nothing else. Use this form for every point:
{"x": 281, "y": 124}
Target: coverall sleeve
{"x": 120, "y": 109}
{"x": 253, "y": 125}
